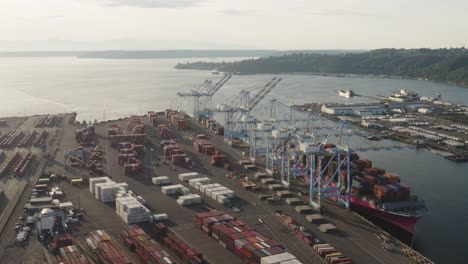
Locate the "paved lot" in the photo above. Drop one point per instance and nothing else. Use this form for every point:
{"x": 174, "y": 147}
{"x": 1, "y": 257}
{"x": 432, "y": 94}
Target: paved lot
{"x": 355, "y": 239}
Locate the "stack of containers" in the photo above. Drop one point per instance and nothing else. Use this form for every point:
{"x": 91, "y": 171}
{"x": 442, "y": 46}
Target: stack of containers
{"x": 174, "y": 189}
{"x": 208, "y": 149}
{"x": 164, "y": 132}
{"x": 178, "y": 121}
{"x": 23, "y": 165}
{"x": 28, "y": 139}
{"x": 217, "y": 160}
{"x": 9, "y": 163}
{"x": 105, "y": 189}
{"x": 94, "y": 181}
{"x": 131, "y": 210}
{"x": 161, "y": 180}
{"x": 11, "y": 138}
{"x": 60, "y": 241}
{"x": 217, "y": 192}
{"x": 135, "y": 125}
{"x": 203, "y": 187}
{"x": 71, "y": 255}
{"x": 199, "y": 181}
{"x": 147, "y": 250}
{"x": 392, "y": 178}
{"x": 41, "y": 139}
{"x": 239, "y": 237}
{"x": 153, "y": 119}
{"x": 189, "y": 199}
{"x": 188, "y": 176}
{"x": 327, "y": 252}
{"x": 180, "y": 248}
{"x": 107, "y": 250}
{"x": 199, "y": 143}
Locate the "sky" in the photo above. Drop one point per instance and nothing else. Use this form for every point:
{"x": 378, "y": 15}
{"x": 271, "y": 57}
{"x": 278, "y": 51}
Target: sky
{"x": 231, "y": 24}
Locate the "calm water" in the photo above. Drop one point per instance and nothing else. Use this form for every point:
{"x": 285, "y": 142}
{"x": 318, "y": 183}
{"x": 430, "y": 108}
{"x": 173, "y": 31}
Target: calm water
{"x": 105, "y": 89}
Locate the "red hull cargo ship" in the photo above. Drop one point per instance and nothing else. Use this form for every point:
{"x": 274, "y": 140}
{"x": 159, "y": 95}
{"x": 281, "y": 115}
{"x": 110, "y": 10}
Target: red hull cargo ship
{"x": 379, "y": 195}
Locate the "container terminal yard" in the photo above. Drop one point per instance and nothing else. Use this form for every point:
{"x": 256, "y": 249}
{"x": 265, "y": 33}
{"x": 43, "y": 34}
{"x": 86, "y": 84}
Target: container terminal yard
{"x": 167, "y": 188}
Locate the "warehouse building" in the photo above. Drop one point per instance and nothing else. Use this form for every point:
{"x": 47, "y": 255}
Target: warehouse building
{"x": 357, "y": 109}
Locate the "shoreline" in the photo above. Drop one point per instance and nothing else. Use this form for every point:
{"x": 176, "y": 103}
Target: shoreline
{"x": 338, "y": 75}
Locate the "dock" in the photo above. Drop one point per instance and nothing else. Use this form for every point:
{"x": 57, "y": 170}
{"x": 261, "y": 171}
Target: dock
{"x": 354, "y": 236}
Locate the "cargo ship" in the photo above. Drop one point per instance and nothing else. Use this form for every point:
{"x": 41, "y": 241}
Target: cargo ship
{"x": 380, "y": 195}
{"x": 347, "y": 93}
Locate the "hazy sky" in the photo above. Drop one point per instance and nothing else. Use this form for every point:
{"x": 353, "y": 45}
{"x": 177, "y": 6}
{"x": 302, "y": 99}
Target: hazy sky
{"x": 263, "y": 24}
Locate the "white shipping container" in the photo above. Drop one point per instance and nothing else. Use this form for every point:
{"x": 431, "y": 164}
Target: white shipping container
{"x": 188, "y": 176}
{"x": 277, "y": 259}
{"x": 184, "y": 191}
{"x": 204, "y": 180}
{"x": 222, "y": 199}
{"x": 207, "y": 186}
{"x": 226, "y": 193}
{"x": 159, "y": 217}
{"x": 161, "y": 180}
{"x": 209, "y": 191}
{"x": 94, "y": 181}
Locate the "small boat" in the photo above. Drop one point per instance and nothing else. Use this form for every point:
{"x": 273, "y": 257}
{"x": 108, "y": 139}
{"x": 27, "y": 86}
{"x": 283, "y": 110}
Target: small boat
{"x": 347, "y": 93}
{"x": 215, "y": 73}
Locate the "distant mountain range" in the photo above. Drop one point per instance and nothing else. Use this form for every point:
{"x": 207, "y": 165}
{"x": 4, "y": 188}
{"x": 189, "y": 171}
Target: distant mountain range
{"x": 167, "y": 54}
{"x": 443, "y": 65}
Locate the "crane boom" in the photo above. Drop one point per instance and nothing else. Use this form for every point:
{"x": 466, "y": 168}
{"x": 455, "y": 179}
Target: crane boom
{"x": 220, "y": 84}
{"x": 264, "y": 92}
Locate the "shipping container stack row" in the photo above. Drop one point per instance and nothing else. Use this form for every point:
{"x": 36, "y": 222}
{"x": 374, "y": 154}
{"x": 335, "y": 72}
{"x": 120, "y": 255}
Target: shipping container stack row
{"x": 28, "y": 140}
{"x": 135, "y": 125}
{"x": 330, "y": 254}
{"x": 41, "y": 140}
{"x": 48, "y": 121}
{"x": 147, "y": 250}
{"x": 242, "y": 239}
{"x": 23, "y": 165}
{"x": 128, "y": 157}
{"x": 177, "y": 119}
{"x": 213, "y": 125}
{"x": 59, "y": 241}
{"x": 153, "y": 119}
{"x": 164, "y": 133}
{"x": 9, "y": 163}
{"x": 171, "y": 150}
{"x": 71, "y": 255}
{"x": 96, "y": 161}
{"x": 130, "y": 208}
{"x": 202, "y": 145}
{"x": 186, "y": 253}
{"x": 11, "y": 138}
{"x": 65, "y": 251}
{"x": 85, "y": 136}
{"x": 309, "y": 239}
{"x": 369, "y": 181}
{"x": 104, "y": 189}
{"x": 215, "y": 191}
{"x": 106, "y": 249}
